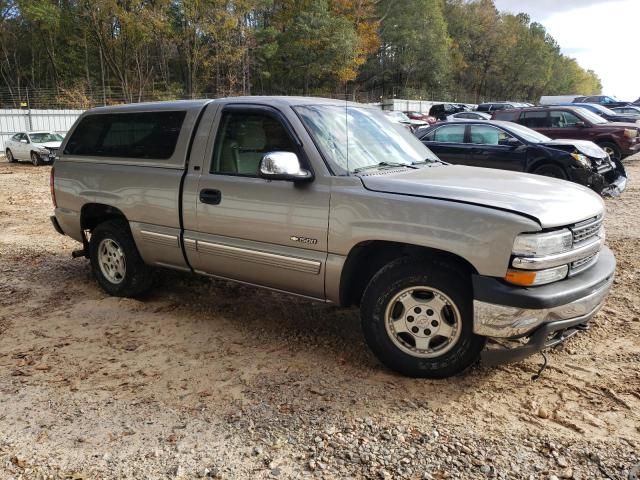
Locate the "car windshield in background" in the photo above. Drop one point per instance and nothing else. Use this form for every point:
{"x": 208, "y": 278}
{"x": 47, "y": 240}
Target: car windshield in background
{"x": 45, "y": 137}
{"x": 528, "y": 134}
{"x": 370, "y": 139}
{"x": 592, "y": 117}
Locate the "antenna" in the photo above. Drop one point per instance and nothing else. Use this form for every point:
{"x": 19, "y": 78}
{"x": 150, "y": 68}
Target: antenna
{"x": 346, "y": 121}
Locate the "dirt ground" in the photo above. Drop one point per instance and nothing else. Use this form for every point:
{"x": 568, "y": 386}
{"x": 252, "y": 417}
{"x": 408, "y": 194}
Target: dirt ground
{"x": 205, "y": 378}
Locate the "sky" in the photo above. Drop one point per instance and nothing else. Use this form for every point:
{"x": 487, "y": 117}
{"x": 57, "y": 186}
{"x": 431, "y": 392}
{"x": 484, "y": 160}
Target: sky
{"x": 602, "y": 35}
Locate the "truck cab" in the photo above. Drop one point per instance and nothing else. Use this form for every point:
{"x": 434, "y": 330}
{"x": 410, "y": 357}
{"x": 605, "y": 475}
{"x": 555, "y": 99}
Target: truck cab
{"x": 332, "y": 201}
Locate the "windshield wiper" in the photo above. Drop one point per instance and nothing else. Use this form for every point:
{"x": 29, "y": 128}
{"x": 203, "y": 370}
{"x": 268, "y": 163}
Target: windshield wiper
{"x": 382, "y": 165}
{"x": 427, "y": 161}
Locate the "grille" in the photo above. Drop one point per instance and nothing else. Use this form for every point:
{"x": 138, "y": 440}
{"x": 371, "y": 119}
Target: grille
{"x": 586, "y": 231}
{"x": 582, "y": 264}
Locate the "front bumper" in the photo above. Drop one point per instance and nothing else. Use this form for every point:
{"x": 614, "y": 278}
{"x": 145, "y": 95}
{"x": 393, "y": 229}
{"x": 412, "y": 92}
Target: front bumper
{"x": 609, "y": 183}
{"x": 531, "y": 315}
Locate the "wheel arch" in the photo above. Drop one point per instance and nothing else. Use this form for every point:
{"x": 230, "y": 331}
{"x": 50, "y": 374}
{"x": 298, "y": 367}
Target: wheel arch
{"x": 367, "y": 258}
{"x": 93, "y": 214}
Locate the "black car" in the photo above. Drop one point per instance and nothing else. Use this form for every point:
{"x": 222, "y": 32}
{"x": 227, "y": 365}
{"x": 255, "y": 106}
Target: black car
{"x": 603, "y": 100}
{"x": 509, "y": 146}
{"x": 440, "y": 111}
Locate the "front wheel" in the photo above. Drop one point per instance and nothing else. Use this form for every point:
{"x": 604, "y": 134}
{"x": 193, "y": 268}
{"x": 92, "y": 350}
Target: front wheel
{"x": 10, "y": 157}
{"x": 550, "y": 170}
{"x": 417, "y": 318}
{"x": 35, "y": 159}
{"x": 612, "y": 149}
{"x": 115, "y": 260}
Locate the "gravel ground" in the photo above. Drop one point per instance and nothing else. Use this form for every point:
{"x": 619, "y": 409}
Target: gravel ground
{"x": 205, "y": 378}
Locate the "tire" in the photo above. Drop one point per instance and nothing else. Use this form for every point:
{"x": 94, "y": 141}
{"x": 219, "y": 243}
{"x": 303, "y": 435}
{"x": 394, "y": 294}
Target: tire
{"x": 10, "y": 157}
{"x": 443, "y": 297}
{"x": 612, "y": 149}
{"x": 551, "y": 170}
{"x": 115, "y": 261}
{"x": 35, "y": 159}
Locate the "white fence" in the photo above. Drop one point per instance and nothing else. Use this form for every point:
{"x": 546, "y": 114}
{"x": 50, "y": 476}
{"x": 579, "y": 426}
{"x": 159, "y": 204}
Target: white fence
{"x": 422, "y": 106}
{"x": 17, "y": 120}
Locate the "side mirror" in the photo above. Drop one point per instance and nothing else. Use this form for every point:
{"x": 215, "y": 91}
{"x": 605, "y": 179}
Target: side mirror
{"x": 512, "y": 142}
{"x": 24, "y": 140}
{"x": 283, "y": 166}
{"x": 580, "y": 124}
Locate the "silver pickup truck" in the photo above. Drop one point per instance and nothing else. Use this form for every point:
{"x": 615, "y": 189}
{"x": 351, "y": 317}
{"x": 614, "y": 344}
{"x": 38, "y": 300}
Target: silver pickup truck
{"x": 332, "y": 201}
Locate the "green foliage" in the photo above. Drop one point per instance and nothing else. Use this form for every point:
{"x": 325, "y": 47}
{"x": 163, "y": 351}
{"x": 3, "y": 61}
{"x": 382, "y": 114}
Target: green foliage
{"x": 96, "y": 51}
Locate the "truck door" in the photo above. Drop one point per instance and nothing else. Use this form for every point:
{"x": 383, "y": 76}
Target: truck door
{"x": 239, "y": 226}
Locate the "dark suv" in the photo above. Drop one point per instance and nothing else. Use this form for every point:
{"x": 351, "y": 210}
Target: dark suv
{"x": 618, "y": 139}
{"x": 608, "y": 102}
{"x": 440, "y": 111}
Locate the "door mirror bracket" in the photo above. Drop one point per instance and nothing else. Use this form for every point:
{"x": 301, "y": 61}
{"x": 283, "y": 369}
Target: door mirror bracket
{"x": 283, "y": 166}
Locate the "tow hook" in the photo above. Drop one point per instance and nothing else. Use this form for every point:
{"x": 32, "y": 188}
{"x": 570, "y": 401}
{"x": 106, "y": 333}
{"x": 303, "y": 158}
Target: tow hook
{"x": 79, "y": 253}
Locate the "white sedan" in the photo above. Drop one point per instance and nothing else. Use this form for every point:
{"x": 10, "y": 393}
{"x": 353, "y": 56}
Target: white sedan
{"x": 37, "y": 147}
{"x": 469, "y": 116}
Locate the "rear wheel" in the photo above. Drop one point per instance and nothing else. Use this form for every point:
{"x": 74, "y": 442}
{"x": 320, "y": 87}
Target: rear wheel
{"x": 35, "y": 159}
{"x": 612, "y": 149}
{"x": 10, "y": 157}
{"x": 417, "y": 318}
{"x": 115, "y": 260}
{"x": 550, "y": 170}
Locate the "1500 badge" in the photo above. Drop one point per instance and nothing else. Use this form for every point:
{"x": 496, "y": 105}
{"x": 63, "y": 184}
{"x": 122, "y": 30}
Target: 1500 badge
{"x": 310, "y": 241}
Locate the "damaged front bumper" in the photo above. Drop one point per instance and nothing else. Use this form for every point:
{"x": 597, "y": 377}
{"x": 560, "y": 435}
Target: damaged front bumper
{"x": 523, "y": 321}
{"x": 606, "y": 182}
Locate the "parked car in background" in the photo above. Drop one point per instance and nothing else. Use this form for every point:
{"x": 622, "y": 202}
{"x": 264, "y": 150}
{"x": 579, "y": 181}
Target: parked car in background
{"x": 602, "y": 100}
{"x": 633, "y": 109}
{"x": 557, "y": 99}
{"x": 637, "y": 102}
{"x": 493, "y": 106}
{"x": 440, "y": 111}
{"x": 330, "y": 201}
{"x": 424, "y": 117}
{"x": 509, "y": 146}
{"x": 37, "y": 147}
{"x": 400, "y": 117}
{"x": 618, "y": 139}
{"x": 469, "y": 116}
{"x": 605, "y": 112}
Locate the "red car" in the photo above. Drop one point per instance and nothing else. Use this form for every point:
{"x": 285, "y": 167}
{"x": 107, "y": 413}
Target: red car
{"x": 618, "y": 139}
{"x": 421, "y": 116}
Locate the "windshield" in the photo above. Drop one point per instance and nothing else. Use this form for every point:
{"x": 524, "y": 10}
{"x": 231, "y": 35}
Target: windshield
{"x": 604, "y": 110}
{"x": 528, "y": 134}
{"x": 371, "y": 139}
{"x": 45, "y": 137}
{"x": 400, "y": 116}
{"x": 590, "y": 116}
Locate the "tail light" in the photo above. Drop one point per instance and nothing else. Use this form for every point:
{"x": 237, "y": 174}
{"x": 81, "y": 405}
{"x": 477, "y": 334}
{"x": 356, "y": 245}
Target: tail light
{"x": 52, "y": 187}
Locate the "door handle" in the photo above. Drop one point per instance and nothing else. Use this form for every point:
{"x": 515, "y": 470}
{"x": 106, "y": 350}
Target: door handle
{"x": 212, "y": 197}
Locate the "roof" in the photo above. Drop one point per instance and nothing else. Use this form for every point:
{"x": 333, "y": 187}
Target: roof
{"x": 198, "y": 104}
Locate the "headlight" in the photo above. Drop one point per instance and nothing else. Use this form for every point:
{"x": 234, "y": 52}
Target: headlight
{"x": 581, "y": 159}
{"x": 530, "y": 278}
{"x": 43, "y": 151}
{"x": 630, "y": 133}
{"x": 536, "y": 244}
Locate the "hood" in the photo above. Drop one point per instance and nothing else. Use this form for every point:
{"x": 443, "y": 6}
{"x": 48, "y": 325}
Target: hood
{"x": 585, "y": 147}
{"x": 48, "y": 144}
{"x": 551, "y": 201}
{"x": 629, "y": 124}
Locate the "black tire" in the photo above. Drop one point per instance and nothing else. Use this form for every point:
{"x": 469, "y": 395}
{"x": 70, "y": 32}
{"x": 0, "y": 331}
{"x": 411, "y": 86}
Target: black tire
{"x": 551, "y": 170}
{"x": 36, "y": 160}
{"x": 137, "y": 276}
{"x": 405, "y": 273}
{"x": 612, "y": 149}
{"x": 10, "y": 157}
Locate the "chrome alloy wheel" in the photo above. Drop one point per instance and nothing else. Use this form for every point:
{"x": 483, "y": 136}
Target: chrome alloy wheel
{"x": 423, "y": 322}
{"x": 111, "y": 261}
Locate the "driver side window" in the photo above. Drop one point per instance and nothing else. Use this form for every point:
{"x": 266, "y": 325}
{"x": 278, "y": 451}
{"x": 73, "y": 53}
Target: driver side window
{"x": 563, "y": 119}
{"x": 242, "y": 140}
